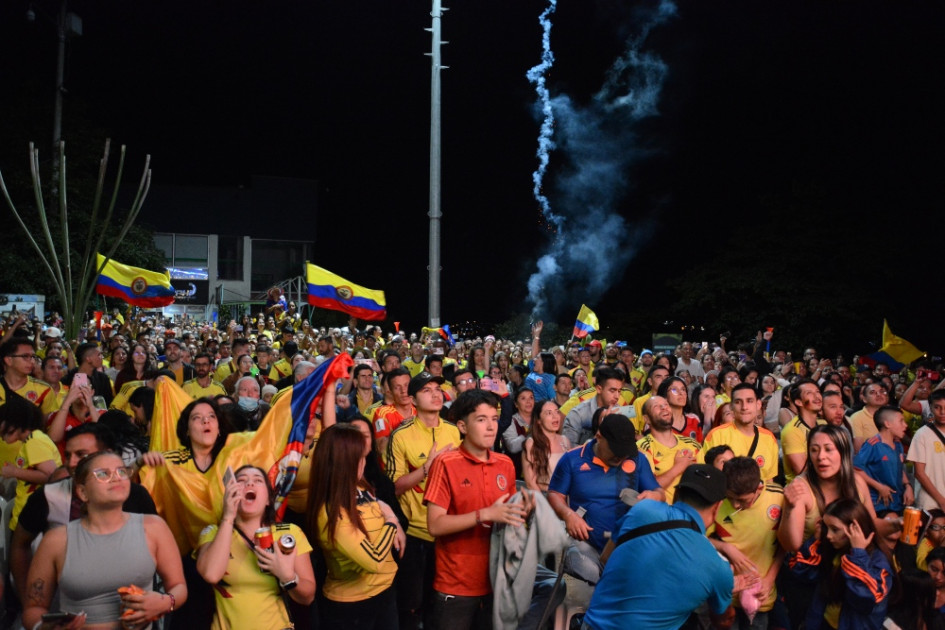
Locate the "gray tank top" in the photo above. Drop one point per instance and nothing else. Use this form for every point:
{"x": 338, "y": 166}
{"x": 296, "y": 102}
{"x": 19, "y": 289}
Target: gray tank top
{"x": 98, "y": 564}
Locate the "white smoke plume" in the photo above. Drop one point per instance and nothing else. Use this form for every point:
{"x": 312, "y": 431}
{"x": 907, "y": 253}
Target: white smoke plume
{"x": 595, "y": 143}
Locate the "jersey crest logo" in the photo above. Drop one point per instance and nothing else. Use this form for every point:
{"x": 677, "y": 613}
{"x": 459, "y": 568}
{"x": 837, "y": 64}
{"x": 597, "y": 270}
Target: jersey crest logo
{"x": 501, "y": 482}
{"x": 32, "y": 396}
{"x": 628, "y": 466}
{"x": 760, "y": 460}
{"x": 20, "y": 462}
{"x": 774, "y": 512}
{"x": 139, "y": 285}
{"x": 344, "y": 292}
{"x": 584, "y": 467}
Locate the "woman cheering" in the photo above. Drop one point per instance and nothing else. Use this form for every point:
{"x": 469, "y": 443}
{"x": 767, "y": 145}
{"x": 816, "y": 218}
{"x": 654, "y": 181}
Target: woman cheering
{"x": 250, "y": 580}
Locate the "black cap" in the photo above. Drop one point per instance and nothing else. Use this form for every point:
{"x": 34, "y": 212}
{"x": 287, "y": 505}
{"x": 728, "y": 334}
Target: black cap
{"x": 290, "y": 348}
{"x": 420, "y": 381}
{"x": 620, "y": 434}
{"x": 707, "y": 481}
{"x": 172, "y": 340}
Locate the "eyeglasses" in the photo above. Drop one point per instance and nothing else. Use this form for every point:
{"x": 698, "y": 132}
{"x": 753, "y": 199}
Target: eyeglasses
{"x": 466, "y": 381}
{"x": 25, "y": 356}
{"x": 936, "y": 528}
{"x": 122, "y": 473}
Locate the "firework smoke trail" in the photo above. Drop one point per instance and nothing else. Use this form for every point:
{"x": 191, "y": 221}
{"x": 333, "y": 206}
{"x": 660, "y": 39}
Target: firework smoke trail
{"x": 545, "y": 142}
{"x": 592, "y": 243}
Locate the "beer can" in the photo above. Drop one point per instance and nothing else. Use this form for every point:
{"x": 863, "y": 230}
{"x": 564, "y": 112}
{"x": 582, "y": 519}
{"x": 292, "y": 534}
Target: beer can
{"x": 286, "y": 543}
{"x": 911, "y": 521}
{"x": 263, "y": 538}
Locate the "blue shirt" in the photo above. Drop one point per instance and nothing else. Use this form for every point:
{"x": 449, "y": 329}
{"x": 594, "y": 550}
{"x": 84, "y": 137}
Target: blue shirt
{"x": 543, "y": 385}
{"x": 883, "y": 464}
{"x": 656, "y": 580}
{"x": 589, "y": 483}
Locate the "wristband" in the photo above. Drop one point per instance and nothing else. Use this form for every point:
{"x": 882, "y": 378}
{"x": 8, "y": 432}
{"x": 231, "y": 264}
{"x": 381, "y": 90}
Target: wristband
{"x": 173, "y": 602}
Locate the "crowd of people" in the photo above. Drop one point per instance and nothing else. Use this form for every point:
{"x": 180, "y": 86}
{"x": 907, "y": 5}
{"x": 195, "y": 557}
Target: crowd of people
{"x": 451, "y": 483}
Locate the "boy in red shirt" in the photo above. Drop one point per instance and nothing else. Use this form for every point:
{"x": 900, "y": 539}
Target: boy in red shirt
{"x": 466, "y": 493}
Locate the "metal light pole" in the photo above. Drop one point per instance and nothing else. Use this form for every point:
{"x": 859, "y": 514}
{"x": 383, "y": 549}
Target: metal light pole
{"x": 66, "y": 24}
{"x": 435, "y": 170}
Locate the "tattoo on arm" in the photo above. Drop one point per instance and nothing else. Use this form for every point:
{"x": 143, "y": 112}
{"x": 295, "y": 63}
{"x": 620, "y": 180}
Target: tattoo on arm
{"x": 37, "y": 594}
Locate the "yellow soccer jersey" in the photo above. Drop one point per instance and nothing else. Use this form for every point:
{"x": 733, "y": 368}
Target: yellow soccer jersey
{"x": 40, "y": 394}
{"x": 195, "y": 390}
{"x": 922, "y": 554}
{"x": 358, "y": 566}
{"x": 246, "y": 597}
{"x": 793, "y": 442}
{"x": 37, "y": 449}
{"x": 765, "y": 453}
{"x": 120, "y": 401}
{"x": 626, "y": 398}
{"x": 577, "y": 399}
{"x": 280, "y": 370}
{"x": 663, "y": 457}
{"x": 754, "y": 531}
{"x": 638, "y": 407}
{"x": 407, "y": 451}
{"x": 224, "y": 369}
{"x": 863, "y": 425}
{"x": 414, "y": 367}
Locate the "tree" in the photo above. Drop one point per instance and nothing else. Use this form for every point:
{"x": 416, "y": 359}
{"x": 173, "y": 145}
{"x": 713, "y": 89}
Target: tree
{"x": 72, "y": 274}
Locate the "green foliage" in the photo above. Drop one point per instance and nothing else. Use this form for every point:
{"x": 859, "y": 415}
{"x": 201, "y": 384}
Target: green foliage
{"x": 54, "y": 251}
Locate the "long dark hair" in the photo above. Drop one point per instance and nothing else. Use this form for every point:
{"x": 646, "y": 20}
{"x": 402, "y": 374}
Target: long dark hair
{"x": 541, "y": 446}
{"x": 269, "y": 514}
{"x": 222, "y": 422}
{"x": 128, "y": 372}
{"x": 333, "y": 484}
{"x": 847, "y": 482}
{"x": 846, "y": 511}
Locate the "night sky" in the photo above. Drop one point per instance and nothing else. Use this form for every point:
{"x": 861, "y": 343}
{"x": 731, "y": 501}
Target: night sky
{"x": 762, "y": 100}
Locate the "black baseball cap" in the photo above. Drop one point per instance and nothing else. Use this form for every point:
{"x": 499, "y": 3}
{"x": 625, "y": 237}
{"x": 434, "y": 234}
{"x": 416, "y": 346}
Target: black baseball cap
{"x": 620, "y": 434}
{"x": 420, "y": 381}
{"x": 707, "y": 481}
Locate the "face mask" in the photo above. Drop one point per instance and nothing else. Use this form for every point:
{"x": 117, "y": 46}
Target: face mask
{"x": 248, "y": 404}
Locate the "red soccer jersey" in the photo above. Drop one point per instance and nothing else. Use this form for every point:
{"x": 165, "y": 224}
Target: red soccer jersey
{"x": 461, "y": 484}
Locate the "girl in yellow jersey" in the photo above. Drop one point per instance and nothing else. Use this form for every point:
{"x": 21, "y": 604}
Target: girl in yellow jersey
{"x": 357, "y": 533}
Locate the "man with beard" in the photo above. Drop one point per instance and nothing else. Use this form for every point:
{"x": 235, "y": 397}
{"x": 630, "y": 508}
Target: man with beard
{"x": 669, "y": 454}
{"x": 203, "y": 385}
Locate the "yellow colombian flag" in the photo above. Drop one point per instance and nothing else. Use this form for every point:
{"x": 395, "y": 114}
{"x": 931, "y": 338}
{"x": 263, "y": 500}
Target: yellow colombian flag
{"x": 898, "y": 348}
{"x": 140, "y": 287}
{"x": 586, "y": 322}
{"x": 186, "y": 498}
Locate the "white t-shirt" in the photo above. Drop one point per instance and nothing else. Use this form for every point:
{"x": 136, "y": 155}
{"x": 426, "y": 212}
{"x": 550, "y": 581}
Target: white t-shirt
{"x": 694, "y": 368}
{"x": 928, "y": 449}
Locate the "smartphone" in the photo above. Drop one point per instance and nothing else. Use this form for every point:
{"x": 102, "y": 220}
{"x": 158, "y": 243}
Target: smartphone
{"x": 488, "y": 384}
{"x": 626, "y": 410}
{"x": 99, "y": 403}
{"x": 81, "y": 379}
{"x": 362, "y": 362}
{"x": 59, "y": 617}
{"x": 228, "y": 476}
{"x": 438, "y": 351}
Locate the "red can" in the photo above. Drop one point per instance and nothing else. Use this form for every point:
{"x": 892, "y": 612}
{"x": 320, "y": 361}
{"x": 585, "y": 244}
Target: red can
{"x": 911, "y": 521}
{"x": 286, "y": 543}
{"x": 263, "y": 537}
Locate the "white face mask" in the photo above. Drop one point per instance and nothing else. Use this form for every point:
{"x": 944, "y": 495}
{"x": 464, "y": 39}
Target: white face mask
{"x": 248, "y": 404}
